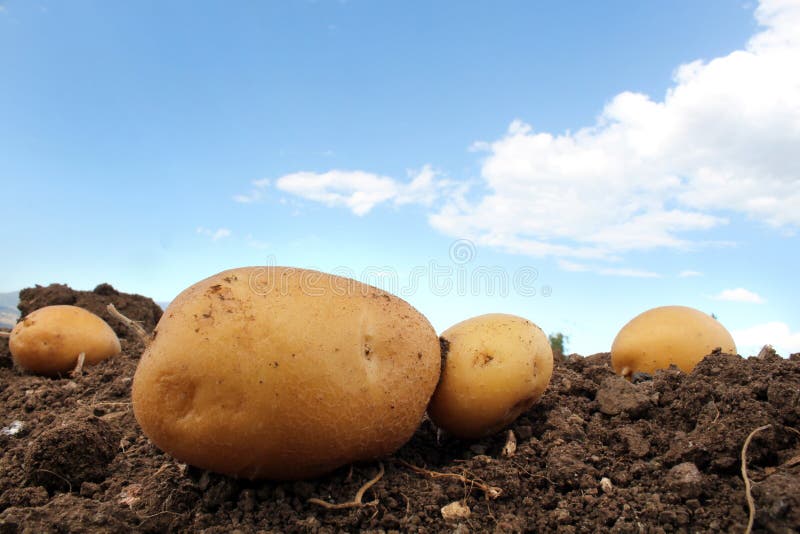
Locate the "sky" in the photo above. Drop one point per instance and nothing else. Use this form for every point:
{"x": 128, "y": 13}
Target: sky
{"x": 573, "y": 162}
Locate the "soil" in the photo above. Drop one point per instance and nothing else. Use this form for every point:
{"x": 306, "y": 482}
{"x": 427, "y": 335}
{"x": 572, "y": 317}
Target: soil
{"x": 136, "y": 307}
{"x": 659, "y": 454}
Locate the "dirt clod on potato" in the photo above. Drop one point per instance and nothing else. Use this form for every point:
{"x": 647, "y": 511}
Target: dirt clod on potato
{"x": 700, "y": 418}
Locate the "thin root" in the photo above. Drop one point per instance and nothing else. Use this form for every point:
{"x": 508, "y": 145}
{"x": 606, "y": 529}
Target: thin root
{"x": 162, "y": 512}
{"x": 791, "y": 462}
{"x": 522, "y": 468}
{"x": 69, "y": 484}
{"x": 510, "y": 448}
{"x": 78, "y": 371}
{"x": 5, "y": 334}
{"x": 716, "y": 417}
{"x": 751, "y": 505}
{"x": 357, "y": 500}
{"x": 133, "y": 325}
{"x": 408, "y": 504}
{"x": 160, "y": 470}
{"x": 491, "y": 492}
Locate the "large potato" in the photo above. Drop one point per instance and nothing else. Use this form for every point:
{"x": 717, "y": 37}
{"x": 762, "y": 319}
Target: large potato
{"x": 668, "y": 335}
{"x": 285, "y": 373}
{"x": 497, "y": 366}
{"x": 49, "y": 340}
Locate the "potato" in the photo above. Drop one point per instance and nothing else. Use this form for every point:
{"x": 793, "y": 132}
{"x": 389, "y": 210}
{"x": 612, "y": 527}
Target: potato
{"x": 497, "y": 366}
{"x": 668, "y": 335}
{"x": 284, "y": 373}
{"x": 49, "y": 340}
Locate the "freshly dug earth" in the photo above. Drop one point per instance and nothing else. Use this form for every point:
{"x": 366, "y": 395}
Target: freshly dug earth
{"x": 661, "y": 454}
{"x": 135, "y": 307}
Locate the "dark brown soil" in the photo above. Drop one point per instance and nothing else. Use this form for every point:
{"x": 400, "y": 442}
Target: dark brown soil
{"x": 136, "y": 307}
{"x": 661, "y": 454}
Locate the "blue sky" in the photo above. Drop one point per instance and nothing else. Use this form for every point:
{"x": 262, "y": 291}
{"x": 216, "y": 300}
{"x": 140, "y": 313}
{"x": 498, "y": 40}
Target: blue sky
{"x": 612, "y": 156}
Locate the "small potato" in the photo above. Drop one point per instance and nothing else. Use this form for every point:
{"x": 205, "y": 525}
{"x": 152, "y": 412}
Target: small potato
{"x": 668, "y": 335}
{"x": 49, "y": 340}
{"x": 497, "y": 366}
{"x": 285, "y": 373}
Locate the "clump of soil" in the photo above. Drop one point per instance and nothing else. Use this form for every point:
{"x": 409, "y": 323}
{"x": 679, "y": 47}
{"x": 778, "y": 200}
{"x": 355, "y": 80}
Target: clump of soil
{"x": 136, "y": 307}
{"x": 64, "y": 456}
{"x": 661, "y": 454}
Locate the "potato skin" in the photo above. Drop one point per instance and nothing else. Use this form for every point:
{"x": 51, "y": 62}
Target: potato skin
{"x": 668, "y": 335}
{"x": 497, "y": 366}
{"x": 48, "y": 340}
{"x": 283, "y": 373}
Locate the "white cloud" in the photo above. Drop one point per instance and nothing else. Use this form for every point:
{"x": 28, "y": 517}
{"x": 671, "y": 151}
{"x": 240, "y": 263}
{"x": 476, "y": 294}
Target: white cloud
{"x": 215, "y": 235}
{"x": 631, "y": 273}
{"x": 750, "y": 340}
{"x": 649, "y": 173}
{"x": 739, "y": 294}
{"x": 688, "y": 273}
{"x": 252, "y": 196}
{"x": 361, "y": 191}
{"x": 255, "y": 193}
{"x": 653, "y": 173}
{"x": 424, "y": 188}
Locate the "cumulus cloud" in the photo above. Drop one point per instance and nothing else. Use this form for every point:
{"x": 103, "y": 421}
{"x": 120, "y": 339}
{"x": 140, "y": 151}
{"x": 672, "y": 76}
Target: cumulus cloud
{"x": 653, "y": 173}
{"x": 650, "y": 173}
{"x": 750, "y": 340}
{"x": 424, "y": 188}
{"x": 739, "y": 294}
{"x": 215, "y": 235}
{"x": 361, "y": 191}
{"x": 358, "y": 191}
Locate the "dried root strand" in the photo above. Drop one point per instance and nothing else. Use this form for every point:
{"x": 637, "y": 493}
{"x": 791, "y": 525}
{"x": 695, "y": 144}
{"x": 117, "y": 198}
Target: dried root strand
{"x": 491, "y": 492}
{"x": 510, "y": 448}
{"x": 751, "y": 505}
{"x": 69, "y": 484}
{"x": 791, "y": 462}
{"x": 133, "y": 325}
{"x": 357, "y": 500}
{"x": 5, "y": 334}
{"x": 78, "y": 371}
{"x": 162, "y": 512}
